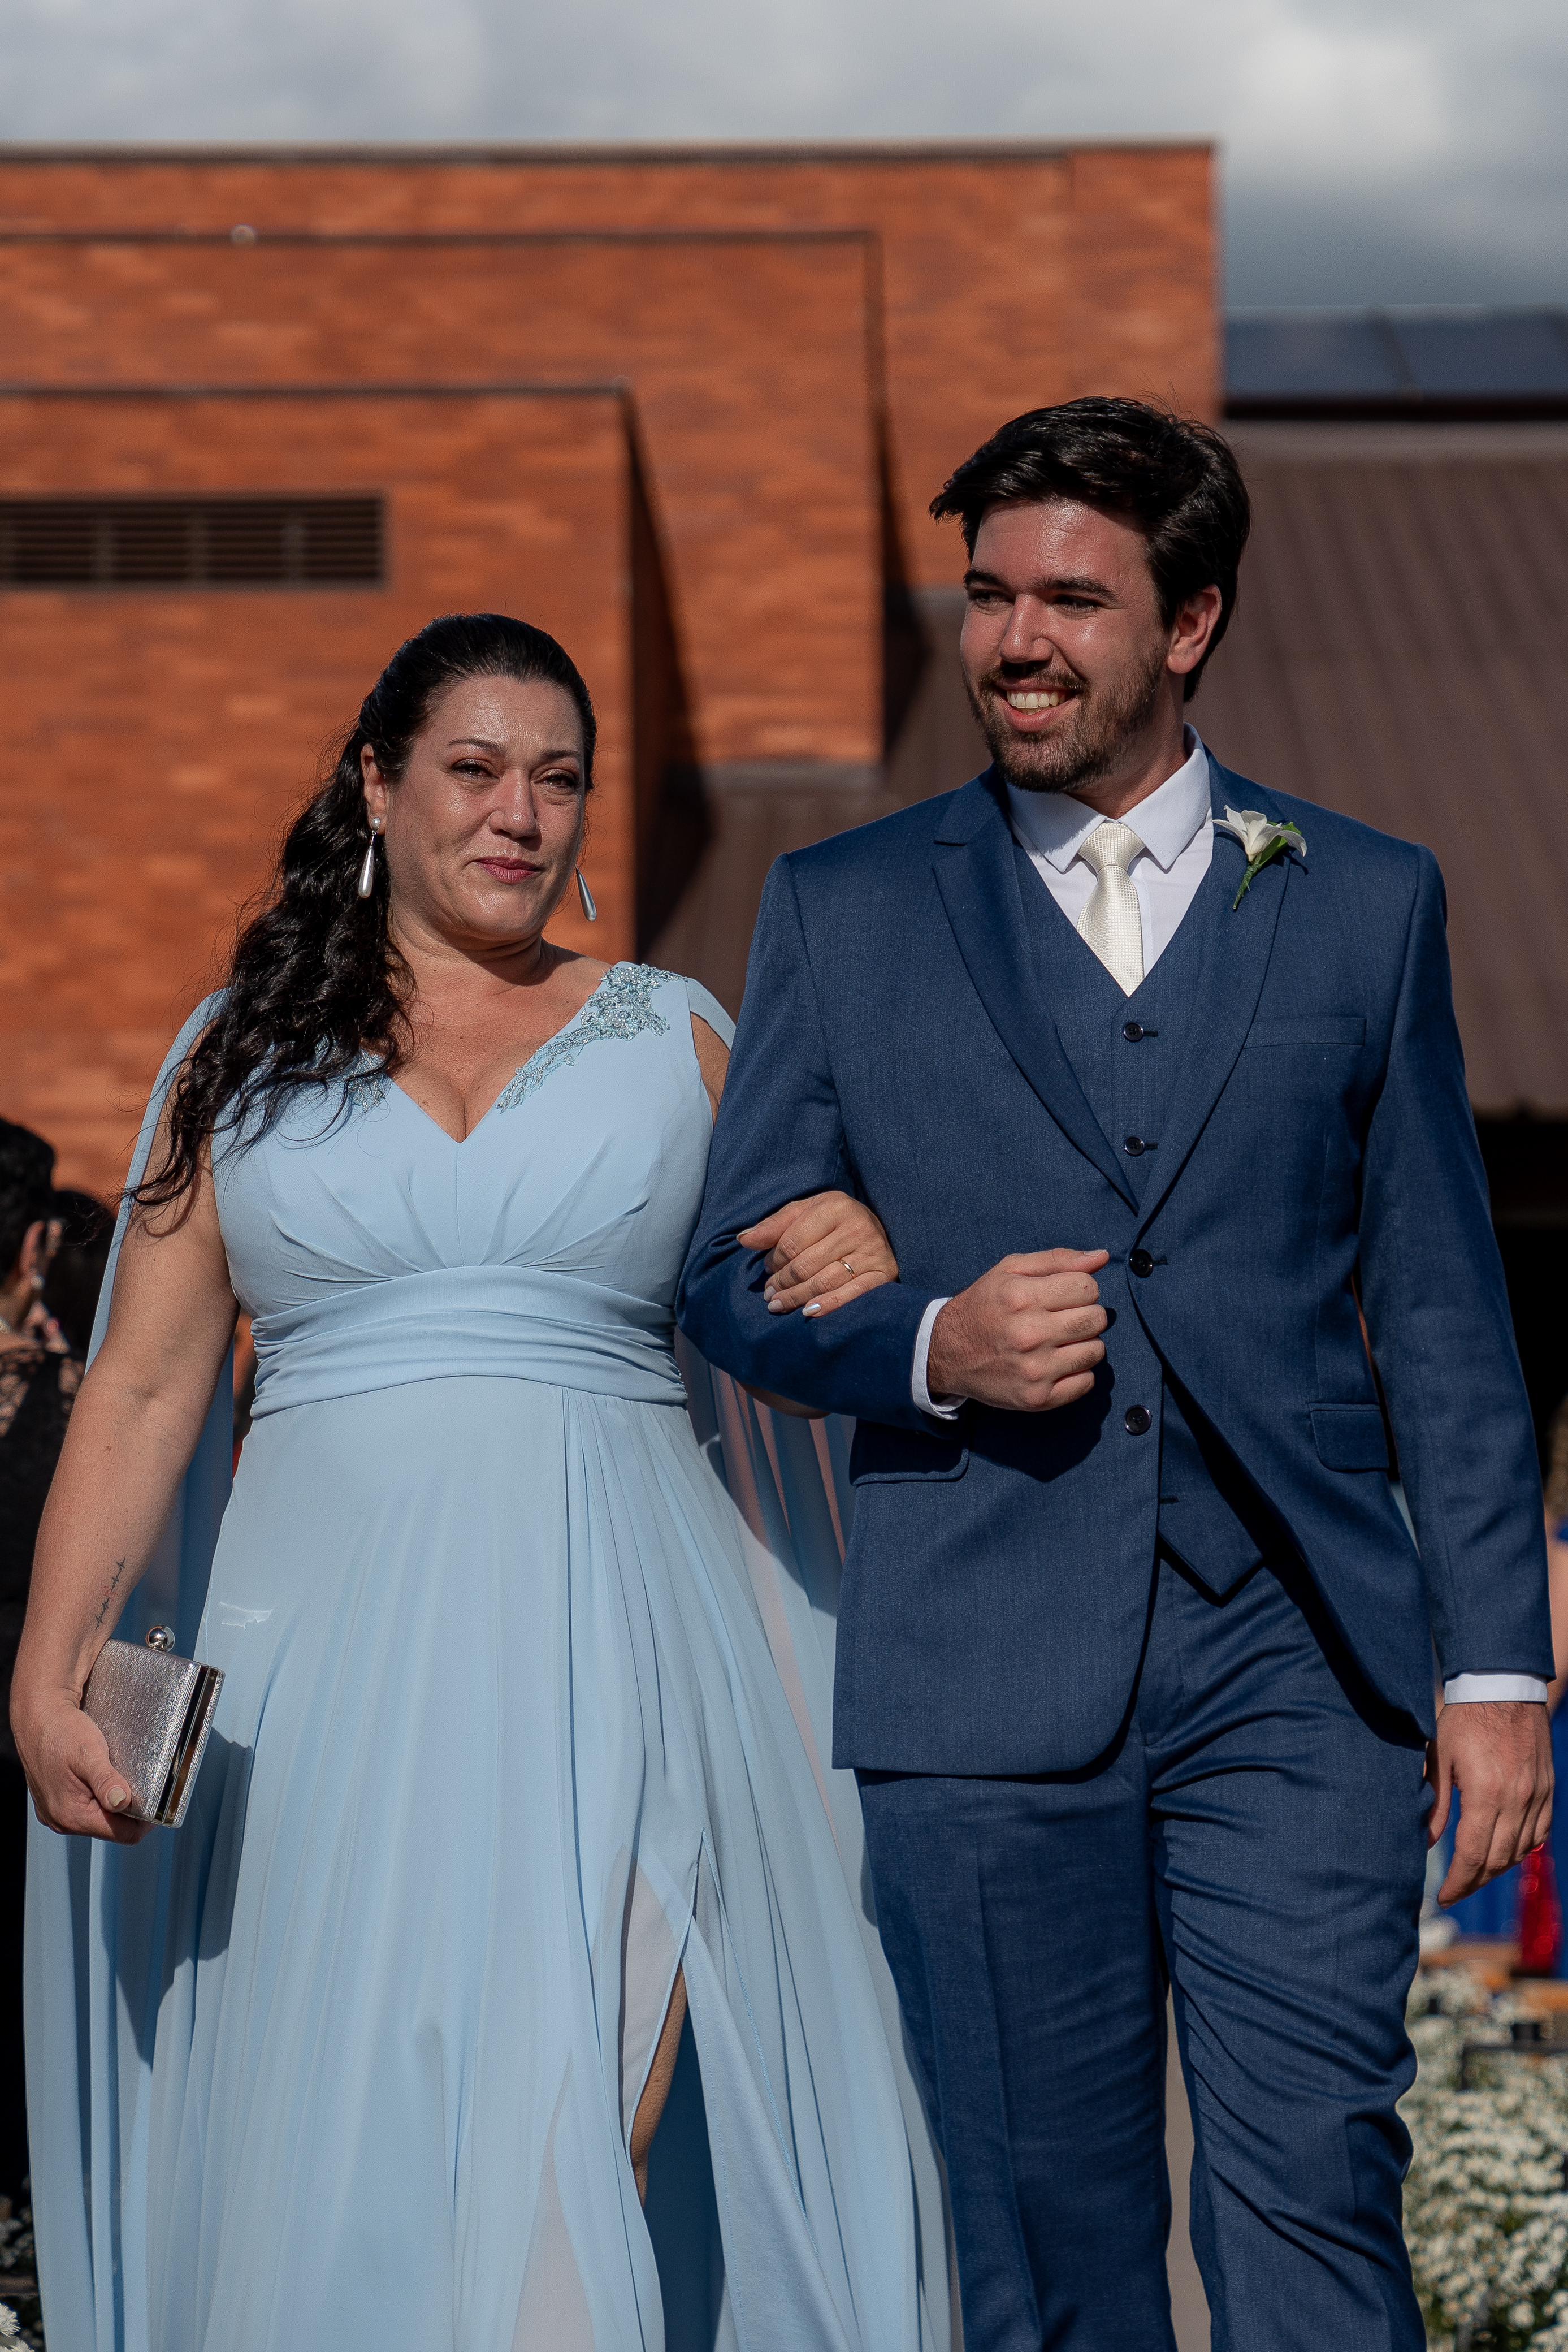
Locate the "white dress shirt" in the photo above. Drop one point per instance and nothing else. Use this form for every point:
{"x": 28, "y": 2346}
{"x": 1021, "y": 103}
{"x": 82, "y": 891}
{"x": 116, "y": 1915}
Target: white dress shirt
{"x": 1176, "y": 825}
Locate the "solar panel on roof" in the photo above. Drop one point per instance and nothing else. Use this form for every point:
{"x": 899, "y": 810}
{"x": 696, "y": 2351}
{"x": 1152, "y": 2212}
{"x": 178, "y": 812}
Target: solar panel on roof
{"x": 1486, "y": 351}
{"x": 1404, "y": 358}
{"x": 1332, "y": 354}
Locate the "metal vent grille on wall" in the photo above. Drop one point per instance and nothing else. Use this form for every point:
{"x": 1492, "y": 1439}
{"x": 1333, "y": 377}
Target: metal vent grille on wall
{"x": 167, "y": 543}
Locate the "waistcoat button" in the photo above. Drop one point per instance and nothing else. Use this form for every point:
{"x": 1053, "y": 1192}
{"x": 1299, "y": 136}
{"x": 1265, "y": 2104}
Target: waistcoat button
{"x": 1134, "y": 1146}
{"x": 1137, "y": 1420}
{"x": 1132, "y": 1031}
{"x": 1141, "y": 1261}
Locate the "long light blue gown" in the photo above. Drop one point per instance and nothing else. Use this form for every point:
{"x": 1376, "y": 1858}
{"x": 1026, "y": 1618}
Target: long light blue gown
{"x": 526, "y": 1689}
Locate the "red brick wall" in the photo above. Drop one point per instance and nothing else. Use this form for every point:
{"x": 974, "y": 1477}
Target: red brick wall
{"x": 750, "y": 369}
{"x": 780, "y": 318}
{"x": 1011, "y": 276}
{"x": 156, "y": 741}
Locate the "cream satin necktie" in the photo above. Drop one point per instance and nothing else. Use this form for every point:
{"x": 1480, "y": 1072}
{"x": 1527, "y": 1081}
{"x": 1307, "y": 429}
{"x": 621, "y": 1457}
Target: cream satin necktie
{"x": 1112, "y": 923}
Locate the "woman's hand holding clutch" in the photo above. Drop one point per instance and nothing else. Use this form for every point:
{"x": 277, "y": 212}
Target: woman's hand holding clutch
{"x": 820, "y": 1253}
{"x": 74, "y": 1785}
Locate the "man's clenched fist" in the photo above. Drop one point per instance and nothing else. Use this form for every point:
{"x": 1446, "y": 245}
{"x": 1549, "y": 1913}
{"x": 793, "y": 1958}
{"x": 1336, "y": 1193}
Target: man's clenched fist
{"x": 1025, "y": 1336}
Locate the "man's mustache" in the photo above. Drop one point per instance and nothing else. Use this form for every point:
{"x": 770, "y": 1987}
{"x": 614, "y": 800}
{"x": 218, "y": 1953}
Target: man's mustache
{"x": 996, "y": 681}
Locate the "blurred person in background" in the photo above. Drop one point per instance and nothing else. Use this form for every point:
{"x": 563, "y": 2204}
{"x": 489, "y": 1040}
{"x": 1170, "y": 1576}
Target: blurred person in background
{"x": 1542, "y": 1876}
{"x": 1557, "y": 1546}
{"x": 74, "y": 1275}
{"x": 39, "y": 1378}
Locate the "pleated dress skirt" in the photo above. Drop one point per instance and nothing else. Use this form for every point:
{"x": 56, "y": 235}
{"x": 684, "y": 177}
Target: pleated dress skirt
{"x": 525, "y": 1689}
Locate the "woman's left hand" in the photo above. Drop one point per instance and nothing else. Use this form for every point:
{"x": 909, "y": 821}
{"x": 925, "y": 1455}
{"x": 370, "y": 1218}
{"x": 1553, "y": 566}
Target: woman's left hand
{"x": 821, "y": 1252}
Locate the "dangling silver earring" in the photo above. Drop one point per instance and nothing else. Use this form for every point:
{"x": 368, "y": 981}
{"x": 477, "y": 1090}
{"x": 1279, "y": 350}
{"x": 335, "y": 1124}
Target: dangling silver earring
{"x": 368, "y": 867}
{"x": 586, "y": 895}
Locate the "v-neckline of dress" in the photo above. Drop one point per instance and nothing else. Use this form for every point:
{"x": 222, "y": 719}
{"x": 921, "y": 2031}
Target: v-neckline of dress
{"x": 457, "y": 1141}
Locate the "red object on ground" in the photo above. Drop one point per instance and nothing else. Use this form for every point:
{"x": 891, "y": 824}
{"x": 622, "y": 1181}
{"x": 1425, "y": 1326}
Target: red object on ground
{"x": 1540, "y": 1916}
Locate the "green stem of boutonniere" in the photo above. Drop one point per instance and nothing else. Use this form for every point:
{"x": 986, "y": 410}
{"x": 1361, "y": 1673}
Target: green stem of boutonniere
{"x": 1262, "y": 837}
{"x": 1255, "y": 865}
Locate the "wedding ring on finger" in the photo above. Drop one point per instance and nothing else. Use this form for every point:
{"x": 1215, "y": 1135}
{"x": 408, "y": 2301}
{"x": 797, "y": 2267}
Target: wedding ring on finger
{"x": 847, "y": 1268}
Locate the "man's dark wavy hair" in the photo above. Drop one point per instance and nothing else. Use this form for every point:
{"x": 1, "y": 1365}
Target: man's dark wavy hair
{"x": 315, "y": 984}
{"x": 1176, "y": 479}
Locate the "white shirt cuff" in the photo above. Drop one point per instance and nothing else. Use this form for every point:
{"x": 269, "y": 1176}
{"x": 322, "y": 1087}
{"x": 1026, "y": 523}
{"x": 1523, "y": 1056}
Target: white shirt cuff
{"x": 917, "y": 1387}
{"x": 1470, "y": 1689}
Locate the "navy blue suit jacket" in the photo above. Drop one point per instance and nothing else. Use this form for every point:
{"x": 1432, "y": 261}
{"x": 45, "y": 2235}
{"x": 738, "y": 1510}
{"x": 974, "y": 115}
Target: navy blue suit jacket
{"x": 894, "y": 1041}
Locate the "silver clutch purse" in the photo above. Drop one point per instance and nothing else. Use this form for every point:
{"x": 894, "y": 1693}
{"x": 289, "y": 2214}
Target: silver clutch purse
{"x": 155, "y": 1710}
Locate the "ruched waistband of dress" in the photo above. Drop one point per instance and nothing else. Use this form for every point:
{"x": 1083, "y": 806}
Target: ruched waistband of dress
{"x": 502, "y": 1322}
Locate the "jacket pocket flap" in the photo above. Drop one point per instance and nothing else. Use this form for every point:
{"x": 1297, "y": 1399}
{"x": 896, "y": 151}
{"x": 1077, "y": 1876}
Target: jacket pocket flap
{"x": 881, "y": 1453}
{"x": 1311, "y": 1029}
{"x": 1350, "y": 1436}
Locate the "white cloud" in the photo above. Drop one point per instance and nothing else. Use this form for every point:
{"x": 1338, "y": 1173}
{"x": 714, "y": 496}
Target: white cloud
{"x": 1409, "y": 150}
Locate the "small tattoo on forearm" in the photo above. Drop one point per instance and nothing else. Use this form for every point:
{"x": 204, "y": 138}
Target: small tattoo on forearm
{"x": 113, "y": 1588}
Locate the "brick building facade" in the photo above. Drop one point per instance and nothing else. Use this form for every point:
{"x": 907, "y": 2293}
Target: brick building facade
{"x": 685, "y": 408}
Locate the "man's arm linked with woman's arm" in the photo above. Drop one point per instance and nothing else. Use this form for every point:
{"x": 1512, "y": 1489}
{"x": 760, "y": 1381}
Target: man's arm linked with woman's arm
{"x": 1024, "y": 1338}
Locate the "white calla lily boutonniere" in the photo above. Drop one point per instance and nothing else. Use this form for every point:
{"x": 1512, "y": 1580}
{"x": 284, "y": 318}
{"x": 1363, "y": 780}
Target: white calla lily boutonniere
{"x": 1263, "y": 838}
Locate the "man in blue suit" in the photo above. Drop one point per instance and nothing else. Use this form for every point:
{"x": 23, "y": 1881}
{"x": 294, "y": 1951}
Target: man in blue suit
{"x": 1153, "y": 1075}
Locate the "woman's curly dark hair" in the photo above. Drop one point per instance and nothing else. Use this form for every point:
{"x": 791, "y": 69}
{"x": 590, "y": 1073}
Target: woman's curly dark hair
{"x": 315, "y": 984}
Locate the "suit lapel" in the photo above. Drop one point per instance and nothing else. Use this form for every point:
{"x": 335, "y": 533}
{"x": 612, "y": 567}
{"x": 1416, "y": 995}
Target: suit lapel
{"x": 1231, "y": 980}
{"x": 977, "y": 877}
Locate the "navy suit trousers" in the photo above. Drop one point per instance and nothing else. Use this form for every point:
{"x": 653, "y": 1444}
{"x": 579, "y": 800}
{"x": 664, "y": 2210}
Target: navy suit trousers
{"x": 1257, "y": 1839}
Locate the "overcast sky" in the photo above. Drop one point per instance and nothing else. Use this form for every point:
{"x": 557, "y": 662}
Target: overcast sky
{"x": 1374, "y": 150}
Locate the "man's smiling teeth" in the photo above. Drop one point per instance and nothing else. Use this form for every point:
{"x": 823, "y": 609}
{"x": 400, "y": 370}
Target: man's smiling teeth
{"x": 1047, "y": 701}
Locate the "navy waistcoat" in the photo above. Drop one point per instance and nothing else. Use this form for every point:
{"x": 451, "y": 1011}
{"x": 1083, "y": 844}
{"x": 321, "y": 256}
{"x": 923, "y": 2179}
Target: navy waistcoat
{"x": 1127, "y": 1053}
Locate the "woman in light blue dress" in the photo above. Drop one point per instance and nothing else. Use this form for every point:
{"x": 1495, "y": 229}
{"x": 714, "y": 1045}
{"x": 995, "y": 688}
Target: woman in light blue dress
{"x": 517, "y": 1759}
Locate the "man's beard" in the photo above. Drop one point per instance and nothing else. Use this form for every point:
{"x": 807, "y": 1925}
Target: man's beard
{"x": 1104, "y": 723}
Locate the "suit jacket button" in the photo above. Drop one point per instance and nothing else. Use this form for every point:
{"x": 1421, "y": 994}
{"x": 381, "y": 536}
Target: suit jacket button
{"x": 1134, "y": 1146}
{"x": 1141, "y": 1261}
{"x": 1137, "y": 1420}
{"x": 1132, "y": 1031}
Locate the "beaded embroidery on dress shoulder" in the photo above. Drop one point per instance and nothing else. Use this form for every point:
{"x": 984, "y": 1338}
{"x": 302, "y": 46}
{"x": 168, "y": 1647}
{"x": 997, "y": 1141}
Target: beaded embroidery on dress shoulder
{"x": 621, "y": 1006}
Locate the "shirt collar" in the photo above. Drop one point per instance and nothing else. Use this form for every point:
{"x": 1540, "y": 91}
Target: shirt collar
{"x": 1058, "y": 825}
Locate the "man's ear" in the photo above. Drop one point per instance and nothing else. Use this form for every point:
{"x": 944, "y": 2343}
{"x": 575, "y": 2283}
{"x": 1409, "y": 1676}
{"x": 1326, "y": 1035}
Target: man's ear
{"x": 1192, "y": 631}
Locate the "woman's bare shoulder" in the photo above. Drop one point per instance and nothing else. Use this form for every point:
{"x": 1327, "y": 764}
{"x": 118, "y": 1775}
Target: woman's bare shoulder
{"x": 713, "y": 1032}
{"x": 704, "y": 1007}
{"x": 713, "y": 1057}
{"x": 576, "y": 977}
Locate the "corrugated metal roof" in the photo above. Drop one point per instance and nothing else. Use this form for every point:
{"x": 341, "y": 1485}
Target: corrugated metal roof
{"x": 1401, "y": 652}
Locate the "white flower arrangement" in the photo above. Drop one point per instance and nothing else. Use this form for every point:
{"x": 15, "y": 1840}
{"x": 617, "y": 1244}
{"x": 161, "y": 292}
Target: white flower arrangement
{"x": 16, "y": 2263}
{"x": 1263, "y": 838}
{"x": 1486, "y": 2200}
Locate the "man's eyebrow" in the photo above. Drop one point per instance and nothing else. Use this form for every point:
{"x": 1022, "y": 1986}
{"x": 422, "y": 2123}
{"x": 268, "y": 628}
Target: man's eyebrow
{"x": 1059, "y": 584}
